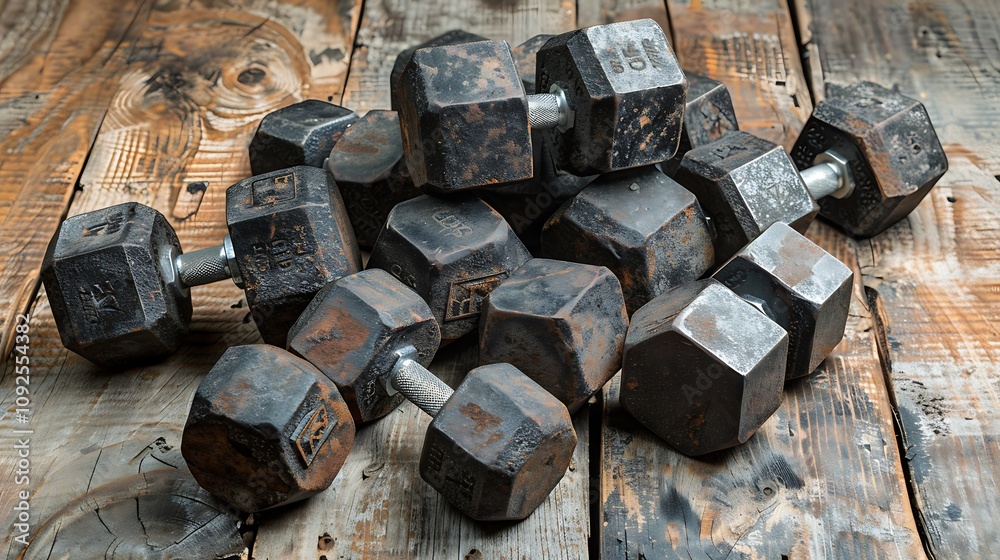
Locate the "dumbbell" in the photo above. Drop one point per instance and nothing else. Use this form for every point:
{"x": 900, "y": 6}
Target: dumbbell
{"x": 638, "y": 223}
{"x": 703, "y": 369}
{"x": 452, "y": 251}
{"x": 709, "y": 115}
{"x": 453, "y": 37}
{"x": 497, "y": 445}
{"x": 868, "y": 155}
{"x": 367, "y": 165}
{"x": 265, "y": 429}
{"x": 801, "y": 287}
{"x": 610, "y": 97}
{"x": 300, "y": 134}
{"x": 562, "y": 324}
{"x": 118, "y": 282}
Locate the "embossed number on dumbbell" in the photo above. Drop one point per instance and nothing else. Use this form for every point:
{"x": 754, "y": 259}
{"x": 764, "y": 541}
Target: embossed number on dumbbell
{"x": 111, "y": 225}
{"x": 451, "y": 225}
{"x": 465, "y": 298}
{"x": 273, "y": 189}
{"x": 402, "y": 275}
{"x": 279, "y": 254}
{"x": 98, "y": 298}
{"x": 311, "y": 432}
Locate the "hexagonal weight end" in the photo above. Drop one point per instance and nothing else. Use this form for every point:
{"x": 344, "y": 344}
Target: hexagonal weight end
{"x": 639, "y": 223}
{"x": 291, "y": 236}
{"x": 709, "y": 115}
{"x": 562, "y": 324}
{"x": 745, "y": 184}
{"x": 894, "y": 153}
{"x": 464, "y": 117}
{"x": 453, "y": 37}
{"x": 627, "y": 93}
{"x": 300, "y": 134}
{"x": 524, "y": 59}
{"x": 351, "y": 331}
{"x": 367, "y": 164}
{"x": 265, "y": 429}
{"x": 703, "y": 369}
{"x": 804, "y": 289}
{"x": 452, "y": 251}
{"x": 108, "y": 276}
{"x": 499, "y": 445}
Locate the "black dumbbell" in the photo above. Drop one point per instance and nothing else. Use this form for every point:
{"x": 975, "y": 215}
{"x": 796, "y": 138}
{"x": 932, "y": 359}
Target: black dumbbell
{"x": 801, "y": 287}
{"x": 610, "y": 97}
{"x": 639, "y": 223}
{"x": 118, "y": 282}
{"x": 452, "y": 251}
{"x": 702, "y": 368}
{"x": 265, "y": 429}
{"x": 300, "y": 134}
{"x": 367, "y": 164}
{"x": 562, "y": 324}
{"x": 497, "y": 445}
{"x": 453, "y": 37}
{"x": 868, "y": 155}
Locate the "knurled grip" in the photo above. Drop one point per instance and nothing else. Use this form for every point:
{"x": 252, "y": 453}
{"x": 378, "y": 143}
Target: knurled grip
{"x": 203, "y": 266}
{"x": 419, "y": 386}
{"x": 543, "y": 110}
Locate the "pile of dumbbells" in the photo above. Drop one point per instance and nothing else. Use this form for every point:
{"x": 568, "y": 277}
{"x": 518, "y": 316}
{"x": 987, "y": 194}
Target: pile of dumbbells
{"x": 614, "y": 219}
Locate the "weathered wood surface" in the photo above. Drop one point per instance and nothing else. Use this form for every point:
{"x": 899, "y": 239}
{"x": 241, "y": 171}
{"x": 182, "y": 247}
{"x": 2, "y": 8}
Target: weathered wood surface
{"x": 55, "y": 60}
{"x": 936, "y": 273}
{"x": 390, "y": 26}
{"x": 196, "y": 79}
{"x": 822, "y": 478}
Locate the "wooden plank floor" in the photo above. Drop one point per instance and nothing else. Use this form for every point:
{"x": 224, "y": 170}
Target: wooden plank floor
{"x": 889, "y": 450}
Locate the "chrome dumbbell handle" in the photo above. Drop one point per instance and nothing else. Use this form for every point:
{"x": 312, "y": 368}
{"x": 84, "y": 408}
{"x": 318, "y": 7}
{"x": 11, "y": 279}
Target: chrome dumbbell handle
{"x": 830, "y": 175}
{"x": 416, "y": 383}
{"x": 550, "y": 110}
{"x": 208, "y": 265}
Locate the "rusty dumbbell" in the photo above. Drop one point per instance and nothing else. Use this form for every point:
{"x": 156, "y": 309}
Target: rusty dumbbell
{"x": 497, "y": 445}
{"x": 265, "y": 429}
{"x": 608, "y": 97}
{"x": 452, "y": 251}
{"x": 119, "y": 284}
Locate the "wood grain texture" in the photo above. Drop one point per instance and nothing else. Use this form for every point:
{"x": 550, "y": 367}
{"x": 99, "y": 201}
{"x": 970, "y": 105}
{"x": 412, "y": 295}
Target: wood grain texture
{"x": 56, "y": 58}
{"x": 750, "y": 46}
{"x": 935, "y": 275}
{"x": 599, "y": 12}
{"x": 379, "y": 507}
{"x": 390, "y": 26}
{"x": 196, "y": 81}
{"x": 823, "y": 477}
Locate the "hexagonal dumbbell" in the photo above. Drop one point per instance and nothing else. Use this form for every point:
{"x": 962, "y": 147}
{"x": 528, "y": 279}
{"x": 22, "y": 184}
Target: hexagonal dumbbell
{"x": 498, "y": 444}
{"x": 118, "y": 282}
{"x": 639, "y": 223}
{"x": 702, "y": 369}
{"x": 452, "y": 252}
{"x": 265, "y": 429}
{"x": 562, "y": 324}
{"x": 367, "y": 163}
{"x": 453, "y": 37}
{"x": 869, "y": 155}
{"x": 300, "y": 134}
{"x": 801, "y": 287}
{"x": 614, "y": 98}
{"x": 709, "y": 115}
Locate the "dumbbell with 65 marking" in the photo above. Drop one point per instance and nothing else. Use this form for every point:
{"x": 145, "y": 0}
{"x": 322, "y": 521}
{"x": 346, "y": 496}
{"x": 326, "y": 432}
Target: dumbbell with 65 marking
{"x": 118, "y": 282}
